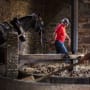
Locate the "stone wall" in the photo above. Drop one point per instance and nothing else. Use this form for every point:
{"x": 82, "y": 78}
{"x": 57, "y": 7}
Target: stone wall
{"x": 4, "y": 10}
{"x": 16, "y": 8}
{"x": 84, "y": 27}
{"x": 52, "y": 12}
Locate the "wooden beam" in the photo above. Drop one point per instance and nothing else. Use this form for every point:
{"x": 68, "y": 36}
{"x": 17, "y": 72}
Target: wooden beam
{"x": 46, "y": 58}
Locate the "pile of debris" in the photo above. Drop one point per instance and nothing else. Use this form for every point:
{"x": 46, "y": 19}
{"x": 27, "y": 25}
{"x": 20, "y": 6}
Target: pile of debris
{"x": 44, "y": 68}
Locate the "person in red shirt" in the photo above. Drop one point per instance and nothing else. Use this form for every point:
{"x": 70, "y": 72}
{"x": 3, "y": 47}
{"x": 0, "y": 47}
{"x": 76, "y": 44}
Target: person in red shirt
{"x": 61, "y": 35}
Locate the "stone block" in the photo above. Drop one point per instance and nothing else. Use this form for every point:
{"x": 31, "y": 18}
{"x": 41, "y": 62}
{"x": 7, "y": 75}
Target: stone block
{"x": 12, "y": 55}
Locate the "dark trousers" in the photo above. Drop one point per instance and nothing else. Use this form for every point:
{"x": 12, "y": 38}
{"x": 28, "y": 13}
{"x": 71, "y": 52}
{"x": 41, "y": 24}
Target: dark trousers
{"x": 60, "y": 47}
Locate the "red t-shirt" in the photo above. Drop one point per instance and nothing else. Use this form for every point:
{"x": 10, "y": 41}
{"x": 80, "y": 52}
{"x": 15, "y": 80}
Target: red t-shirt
{"x": 60, "y": 33}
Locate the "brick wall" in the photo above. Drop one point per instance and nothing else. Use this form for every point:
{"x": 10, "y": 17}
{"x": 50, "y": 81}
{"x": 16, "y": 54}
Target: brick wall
{"x": 16, "y": 8}
{"x": 51, "y": 12}
{"x": 84, "y": 27}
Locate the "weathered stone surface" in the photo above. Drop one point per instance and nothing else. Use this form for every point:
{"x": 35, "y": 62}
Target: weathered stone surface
{"x": 28, "y": 85}
{"x": 12, "y": 55}
{"x": 84, "y": 39}
{"x": 86, "y": 1}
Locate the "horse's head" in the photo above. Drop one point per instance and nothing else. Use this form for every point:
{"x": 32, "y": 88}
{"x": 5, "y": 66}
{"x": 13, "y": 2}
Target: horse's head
{"x": 30, "y": 21}
{"x": 24, "y": 24}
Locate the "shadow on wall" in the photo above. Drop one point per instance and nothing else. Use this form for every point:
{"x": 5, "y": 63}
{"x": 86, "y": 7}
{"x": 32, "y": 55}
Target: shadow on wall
{"x": 49, "y": 9}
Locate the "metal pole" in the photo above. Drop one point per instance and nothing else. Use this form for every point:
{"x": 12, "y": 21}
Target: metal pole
{"x": 74, "y": 26}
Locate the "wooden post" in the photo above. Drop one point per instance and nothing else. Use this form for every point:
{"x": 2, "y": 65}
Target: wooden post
{"x": 74, "y": 26}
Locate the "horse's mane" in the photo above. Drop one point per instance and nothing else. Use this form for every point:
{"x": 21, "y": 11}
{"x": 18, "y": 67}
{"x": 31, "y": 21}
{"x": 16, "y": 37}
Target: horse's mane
{"x": 26, "y": 22}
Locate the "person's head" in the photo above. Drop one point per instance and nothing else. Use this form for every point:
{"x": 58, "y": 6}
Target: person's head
{"x": 65, "y": 21}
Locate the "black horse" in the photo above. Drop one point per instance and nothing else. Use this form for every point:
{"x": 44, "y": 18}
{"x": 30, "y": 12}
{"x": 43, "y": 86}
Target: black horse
{"x": 20, "y": 25}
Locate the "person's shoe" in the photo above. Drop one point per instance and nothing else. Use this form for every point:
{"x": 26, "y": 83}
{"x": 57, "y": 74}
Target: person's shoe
{"x": 67, "y": 59}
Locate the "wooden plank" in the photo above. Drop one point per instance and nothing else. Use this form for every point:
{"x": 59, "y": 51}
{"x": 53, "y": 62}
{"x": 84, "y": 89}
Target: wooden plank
{"x": 47, "y": 56}
{"x": 35, "y": 58}
{"x": 41, "y": 56}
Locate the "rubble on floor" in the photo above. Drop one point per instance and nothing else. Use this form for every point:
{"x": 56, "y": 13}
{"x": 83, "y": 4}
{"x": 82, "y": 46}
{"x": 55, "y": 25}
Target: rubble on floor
{"x": 42, "y": 69}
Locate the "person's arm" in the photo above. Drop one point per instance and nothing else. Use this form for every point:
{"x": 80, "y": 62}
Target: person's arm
{"x": 53, "y": 38}
{"x": 54, "y": 34}
{"x": 69, "y": 40}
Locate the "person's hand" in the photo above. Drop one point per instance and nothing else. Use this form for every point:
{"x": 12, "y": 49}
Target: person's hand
{"x": 69, "y": 44}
